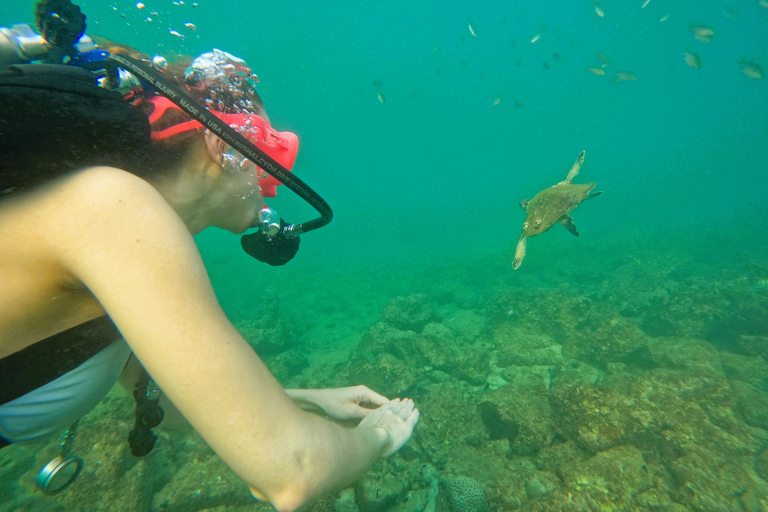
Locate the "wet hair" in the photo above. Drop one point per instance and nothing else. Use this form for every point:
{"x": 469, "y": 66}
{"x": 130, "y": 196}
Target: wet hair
{"x": 50, "y": 126}
{"x": 167, "y": 152}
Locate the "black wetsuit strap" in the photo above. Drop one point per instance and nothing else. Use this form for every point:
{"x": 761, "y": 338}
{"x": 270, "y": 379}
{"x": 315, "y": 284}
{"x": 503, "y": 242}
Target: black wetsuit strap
{"x": 49, "y": 359}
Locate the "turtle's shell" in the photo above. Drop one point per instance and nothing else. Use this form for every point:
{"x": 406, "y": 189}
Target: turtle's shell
{"x": 552, "y": 203}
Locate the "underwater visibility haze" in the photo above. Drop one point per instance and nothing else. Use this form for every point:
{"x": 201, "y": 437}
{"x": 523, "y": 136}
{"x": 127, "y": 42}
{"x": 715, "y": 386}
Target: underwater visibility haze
{"x": 625, "y": 369}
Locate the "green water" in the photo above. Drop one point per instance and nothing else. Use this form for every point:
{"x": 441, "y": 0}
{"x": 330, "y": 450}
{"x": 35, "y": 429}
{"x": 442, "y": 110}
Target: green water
{"x": 621, "y": 370}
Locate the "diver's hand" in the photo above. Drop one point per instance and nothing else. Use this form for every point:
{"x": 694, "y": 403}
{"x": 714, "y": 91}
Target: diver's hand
{"x": 341, "y": 404}
{"x": 397, "y": 418}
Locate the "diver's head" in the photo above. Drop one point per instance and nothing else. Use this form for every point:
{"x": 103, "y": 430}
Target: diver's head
{"x": 226, "y": 87}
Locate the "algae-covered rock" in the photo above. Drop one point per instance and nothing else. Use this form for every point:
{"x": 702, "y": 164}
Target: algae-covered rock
{"x": 516, "y": 347}
{"x": 201, "y": 484}
{"x": 268, "y": 337}
{"x": 702, "y": 307}
{"x": 437, "y": 347}
{"x": 554, "y": 457}
{"x": 761, "y": 464}
{"x": 465, "y": 494}
{"x": 287, "y": 365}
{"x": 685, "y": 353}
{"x": 554, "y": 313}
{"x": 614, "y": 339}
{"x": 596, "y": 418}
{"x": 383, "y": 372}
{"x": 434, "y": 346}
{"x": 751, "y": 345}
{"x": 753, "y": 370}
{"x": 750, "y": 404}
{"x": 346, "y": 502}
{"x": 520, "y": 414}
{"x": 410, "y": 313}
{"x": 540, "y": 484}
{"x": 611, "y": 478}
{"x": 571, "y": 373}
{"x": 699, "y": 475}
{"x": 381, "y": 492}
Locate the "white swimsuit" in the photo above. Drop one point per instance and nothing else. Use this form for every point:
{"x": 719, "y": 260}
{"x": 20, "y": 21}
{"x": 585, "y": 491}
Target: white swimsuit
{"x": 56, "y": 405}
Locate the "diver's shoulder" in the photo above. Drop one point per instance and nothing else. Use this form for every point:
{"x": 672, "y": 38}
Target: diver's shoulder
{"x": 106, "y": 179}
{"x": 102, "y": 194}
{"x": 99, "y": 187}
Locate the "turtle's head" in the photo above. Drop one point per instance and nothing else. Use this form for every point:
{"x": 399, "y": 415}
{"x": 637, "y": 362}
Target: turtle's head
{"x": 532, "y": 227}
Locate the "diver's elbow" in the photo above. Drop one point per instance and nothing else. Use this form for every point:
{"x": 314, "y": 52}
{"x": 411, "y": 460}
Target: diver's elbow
{"x": 293, "y": 493}
{"x": 289, "y": 499}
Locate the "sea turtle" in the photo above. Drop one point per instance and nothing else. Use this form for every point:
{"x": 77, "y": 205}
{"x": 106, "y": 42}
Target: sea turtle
{"x": 552, "y": 205}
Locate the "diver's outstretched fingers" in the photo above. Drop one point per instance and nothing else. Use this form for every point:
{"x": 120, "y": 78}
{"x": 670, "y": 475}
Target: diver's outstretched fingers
{"x": 412, "y": 418}
{"x": 404, "y": 408}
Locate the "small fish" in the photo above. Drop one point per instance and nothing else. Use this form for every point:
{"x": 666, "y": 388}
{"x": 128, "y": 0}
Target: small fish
{"x": 596, "y": 71}
{"x": 518, "y": 103}
{"x": 381, "y": 98}
{"x": 664, "y": 18}
{"x": 377, "y": 83}
{"x": 556, "y": 56}
{"x": 472, "y": 30}
{"x": 174, "y": 33}
{"x": 497, "y": 101}
{"x": 702, "y": 32}
{"x": 599, "y": 11}
{"x": 762, "y": 283}
{"x": 139, "y": 5}
{"x": 623, "y": 76}
{"x": 751, "y": 69}
{"x": 692, "y": 60}
{"x": 535, "y": 38}
{"x": 603, "y": 59}
{"x": 644, "y": 4}
{"x": 545, "y": 64}
{"x": 191, "y": 26}
{"x": 194, "y": 5}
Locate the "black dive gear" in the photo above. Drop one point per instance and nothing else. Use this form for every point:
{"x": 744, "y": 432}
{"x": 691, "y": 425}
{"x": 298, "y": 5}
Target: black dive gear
{"x": 275, "y": 250}
{"x": 61, "y": 23}
{"x": 148, "y": 415}
{"x": 49, "y": 359}
{"x": 55, "y": 119}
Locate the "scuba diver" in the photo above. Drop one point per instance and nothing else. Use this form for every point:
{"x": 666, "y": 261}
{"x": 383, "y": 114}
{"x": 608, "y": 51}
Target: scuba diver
{"x": 110, "y": 162}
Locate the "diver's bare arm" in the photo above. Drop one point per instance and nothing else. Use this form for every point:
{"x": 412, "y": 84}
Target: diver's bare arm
{"x": 122, "y": 240}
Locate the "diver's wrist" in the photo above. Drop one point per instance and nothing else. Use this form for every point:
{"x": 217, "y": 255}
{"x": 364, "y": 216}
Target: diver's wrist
{"x": 304, "y": 399}
{"x": 378, "y": 438}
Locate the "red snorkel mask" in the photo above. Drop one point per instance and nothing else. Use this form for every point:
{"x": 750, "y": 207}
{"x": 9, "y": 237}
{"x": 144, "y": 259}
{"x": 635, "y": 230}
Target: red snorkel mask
{"x": 281, "y": 146}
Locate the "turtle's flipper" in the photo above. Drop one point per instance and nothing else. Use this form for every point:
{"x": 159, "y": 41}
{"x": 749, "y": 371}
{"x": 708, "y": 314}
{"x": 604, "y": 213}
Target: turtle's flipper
{"x": 524, "y": 204}
{"x": 575, "y": 169}
{"x": 519, "y": 251}
{"x": 567, "y": 221}
{"x": 593, "y": 194}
